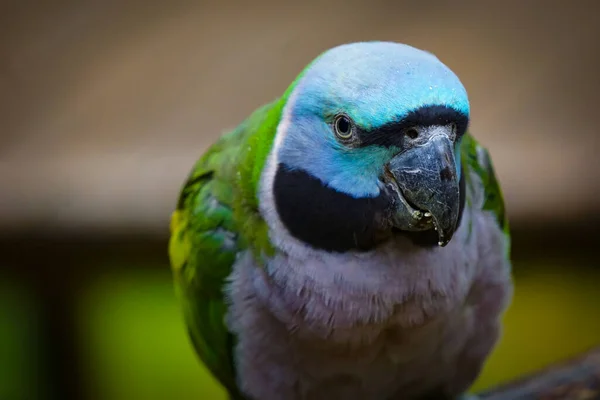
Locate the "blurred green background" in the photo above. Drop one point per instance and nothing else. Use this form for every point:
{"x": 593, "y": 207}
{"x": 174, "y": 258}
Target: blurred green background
{"x": 105, "y": 105}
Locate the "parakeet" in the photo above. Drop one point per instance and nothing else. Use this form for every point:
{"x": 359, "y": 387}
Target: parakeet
{"x": 348, "y": 240}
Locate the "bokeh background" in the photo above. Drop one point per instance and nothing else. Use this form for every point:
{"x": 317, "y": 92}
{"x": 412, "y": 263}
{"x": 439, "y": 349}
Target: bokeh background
{"x": 105, "y": 105}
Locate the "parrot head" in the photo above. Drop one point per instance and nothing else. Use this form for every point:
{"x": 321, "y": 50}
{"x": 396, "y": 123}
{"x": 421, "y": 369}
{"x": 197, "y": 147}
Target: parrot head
{"x": 368, "y": 147}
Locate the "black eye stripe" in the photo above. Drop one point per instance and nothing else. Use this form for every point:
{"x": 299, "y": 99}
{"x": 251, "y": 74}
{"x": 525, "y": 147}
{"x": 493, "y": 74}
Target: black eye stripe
{"x": 392, "y": 134}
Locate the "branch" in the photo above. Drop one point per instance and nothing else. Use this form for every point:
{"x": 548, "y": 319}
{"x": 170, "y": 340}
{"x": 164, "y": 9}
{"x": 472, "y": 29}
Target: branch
{"x": 575, "y": 379}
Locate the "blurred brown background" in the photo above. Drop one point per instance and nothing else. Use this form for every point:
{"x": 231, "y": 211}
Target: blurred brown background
{"x": 105, "y": 105}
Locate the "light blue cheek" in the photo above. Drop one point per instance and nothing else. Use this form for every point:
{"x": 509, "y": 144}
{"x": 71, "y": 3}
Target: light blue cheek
{"x": 357, "y": 172}
{"x": 311, "y": 146}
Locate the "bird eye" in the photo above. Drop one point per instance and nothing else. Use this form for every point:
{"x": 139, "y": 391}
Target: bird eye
{"x": 343, "y": 127}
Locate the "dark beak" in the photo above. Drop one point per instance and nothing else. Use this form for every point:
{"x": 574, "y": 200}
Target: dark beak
{"x": 426, "y": 177}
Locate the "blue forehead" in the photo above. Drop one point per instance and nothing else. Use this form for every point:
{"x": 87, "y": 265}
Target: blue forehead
{"x": 378, "y": 82}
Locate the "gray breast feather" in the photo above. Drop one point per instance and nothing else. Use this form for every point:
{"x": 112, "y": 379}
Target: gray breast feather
{"x": 397, "y": 322}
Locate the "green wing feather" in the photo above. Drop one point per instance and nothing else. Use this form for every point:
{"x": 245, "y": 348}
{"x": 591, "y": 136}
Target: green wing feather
{"x": 216, "y": 218}
{"x": 202, "y": 249}
{"x": 478, "y": 162}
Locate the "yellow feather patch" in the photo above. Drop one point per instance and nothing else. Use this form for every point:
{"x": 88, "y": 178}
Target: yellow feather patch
{"x": 179, "y": 243}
